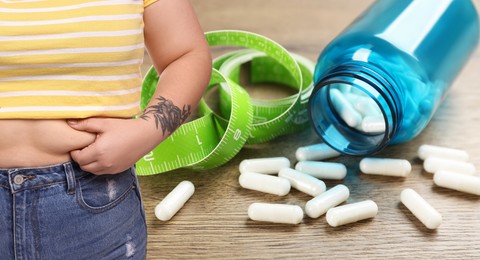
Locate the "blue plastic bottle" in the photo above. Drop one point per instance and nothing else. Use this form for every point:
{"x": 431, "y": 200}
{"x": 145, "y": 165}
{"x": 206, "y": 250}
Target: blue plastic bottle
{"x": 401, "y": 56}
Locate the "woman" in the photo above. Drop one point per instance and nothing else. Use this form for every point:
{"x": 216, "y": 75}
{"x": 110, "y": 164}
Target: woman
{"x": 70, "y": 86}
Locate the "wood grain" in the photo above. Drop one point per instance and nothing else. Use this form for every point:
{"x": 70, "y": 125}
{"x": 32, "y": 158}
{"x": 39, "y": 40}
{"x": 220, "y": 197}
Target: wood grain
{"x": 214, "y": 223}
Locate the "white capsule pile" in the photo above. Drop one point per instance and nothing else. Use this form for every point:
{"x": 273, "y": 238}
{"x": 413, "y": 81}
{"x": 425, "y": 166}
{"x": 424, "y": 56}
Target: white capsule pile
{"x": 437, "y": 158}
{"x": 345, "y": 109}
{"x": 254, "y": 175}
{"x": 303, "y": 182}
{"x": 357, "y": 109}
{"x": 308, "y": 162}
{"x": 275, "y": 176}
{"x": 321, "y": 204}
{"x": 258, "y": 175}
{"x": 451, "y": 168}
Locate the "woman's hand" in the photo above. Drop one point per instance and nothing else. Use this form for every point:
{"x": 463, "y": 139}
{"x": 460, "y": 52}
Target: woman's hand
{"x": 120, "y": 143}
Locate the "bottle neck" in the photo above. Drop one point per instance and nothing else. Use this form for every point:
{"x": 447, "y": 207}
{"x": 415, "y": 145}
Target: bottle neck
{"x": 355, "y": 108}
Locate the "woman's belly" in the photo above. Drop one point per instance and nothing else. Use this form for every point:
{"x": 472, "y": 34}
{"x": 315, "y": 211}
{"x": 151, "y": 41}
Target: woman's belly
{"x": 31, "y": 143}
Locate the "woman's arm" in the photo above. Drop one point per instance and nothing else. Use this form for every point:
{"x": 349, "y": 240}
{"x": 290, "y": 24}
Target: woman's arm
{"x": 180, "y": 54}
{"x": 178, "y": 49}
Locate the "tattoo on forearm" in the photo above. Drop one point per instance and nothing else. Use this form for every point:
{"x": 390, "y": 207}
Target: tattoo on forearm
{"x": 167, "y": 116}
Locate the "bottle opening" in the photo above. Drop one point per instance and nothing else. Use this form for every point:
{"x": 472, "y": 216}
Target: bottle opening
{"x": 351, "y": 115}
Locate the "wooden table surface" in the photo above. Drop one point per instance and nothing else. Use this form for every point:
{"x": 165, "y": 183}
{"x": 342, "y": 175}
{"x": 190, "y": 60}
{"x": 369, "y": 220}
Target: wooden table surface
{"x": 214, "y": 224}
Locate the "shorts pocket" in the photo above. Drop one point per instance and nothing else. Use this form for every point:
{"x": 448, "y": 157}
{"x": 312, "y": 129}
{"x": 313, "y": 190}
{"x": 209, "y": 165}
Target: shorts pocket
{"x": 99, "y": 193}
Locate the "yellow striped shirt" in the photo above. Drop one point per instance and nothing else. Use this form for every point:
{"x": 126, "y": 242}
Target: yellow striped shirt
{"x": 70, "y": 58}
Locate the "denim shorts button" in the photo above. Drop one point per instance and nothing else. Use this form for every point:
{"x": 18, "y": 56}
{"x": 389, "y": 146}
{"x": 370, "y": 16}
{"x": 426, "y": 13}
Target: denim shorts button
{"x": 18, "y": 179}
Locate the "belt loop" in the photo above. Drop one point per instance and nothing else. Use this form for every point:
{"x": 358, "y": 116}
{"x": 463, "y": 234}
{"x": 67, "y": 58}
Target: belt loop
{"x": 70, "y": 175}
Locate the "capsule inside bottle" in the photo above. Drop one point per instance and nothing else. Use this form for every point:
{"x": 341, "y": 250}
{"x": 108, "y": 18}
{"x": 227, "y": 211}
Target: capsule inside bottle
{"x": 351, "y": 117}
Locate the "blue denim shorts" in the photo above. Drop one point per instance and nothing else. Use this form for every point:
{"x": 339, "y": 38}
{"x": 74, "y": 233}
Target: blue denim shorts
{"x": 62, "y": 212}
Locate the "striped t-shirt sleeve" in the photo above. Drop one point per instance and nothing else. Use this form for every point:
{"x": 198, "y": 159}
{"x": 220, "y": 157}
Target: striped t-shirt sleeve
{"x": 148, "y": 2}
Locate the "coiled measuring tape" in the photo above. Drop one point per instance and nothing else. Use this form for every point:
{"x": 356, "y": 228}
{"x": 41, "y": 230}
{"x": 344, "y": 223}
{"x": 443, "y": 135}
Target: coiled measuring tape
{"x": 215, "y": 138}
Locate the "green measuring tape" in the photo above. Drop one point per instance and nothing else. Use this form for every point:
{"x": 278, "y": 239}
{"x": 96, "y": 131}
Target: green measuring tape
{"x": 215, "y": 138}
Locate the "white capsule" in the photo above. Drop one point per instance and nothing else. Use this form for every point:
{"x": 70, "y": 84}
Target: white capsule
{"x": 303, "y": 182}
{"x": 322, "y": 170}
{"x": 434, "y": 164}
{"x": 316, "y": 152}
{"x": 425, "y": 151}
{"x": 345, "y": 109}
{"x": 384, "y": 166}
{"x": 459, "y": 182}
{"x": 264, "y": 165}
{"x": 276, "y": 213}
{"x": 373, "y": 124}
{"x": 351, "y": 97}
{"x": 359, "y": 92}
{"x": 264, "y": 183}
{"x": 323, "y": 202}
{"x": 344, "y": 88}
{"x": 350, "y": 213}
{"x": 174, "y": 201}
{"x": 421, "y": 209}
{"x": 366, "y": 106}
